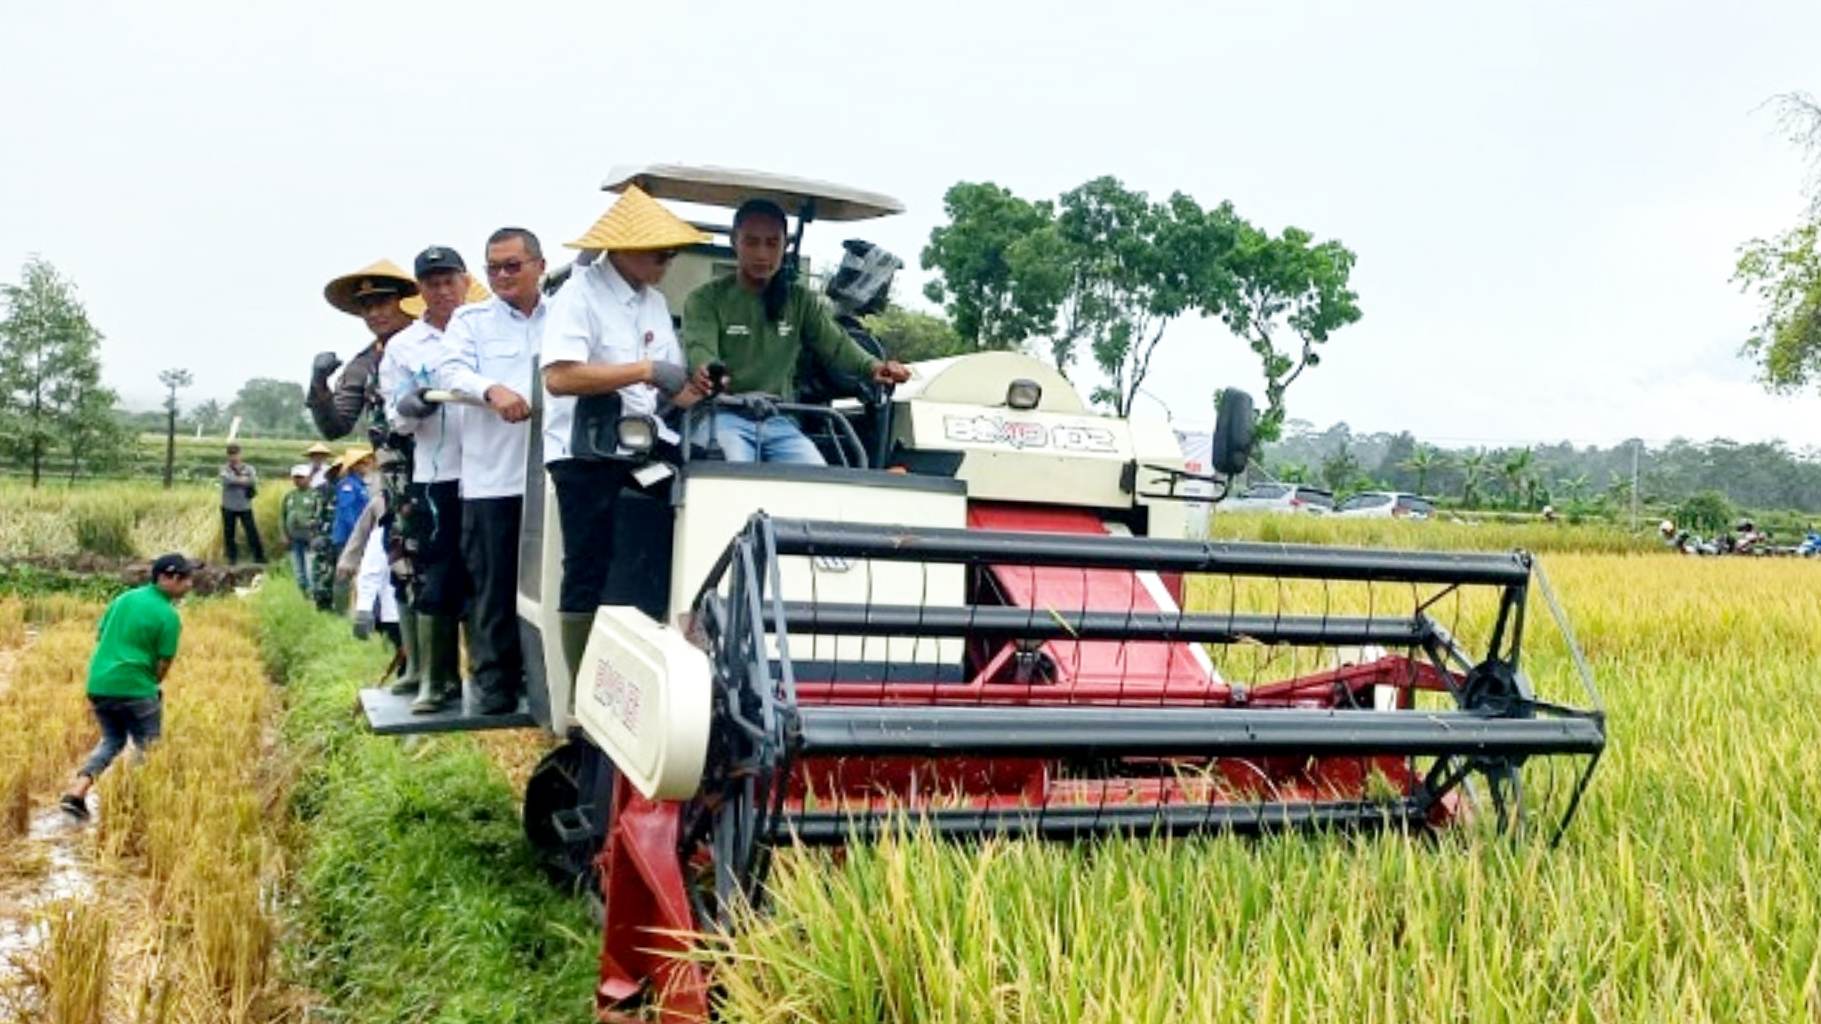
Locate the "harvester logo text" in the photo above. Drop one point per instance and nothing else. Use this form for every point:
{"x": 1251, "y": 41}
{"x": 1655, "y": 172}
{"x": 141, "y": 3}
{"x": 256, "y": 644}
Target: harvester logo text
{"x": 1021, "y": 434}
{"x": 617, "y": 696}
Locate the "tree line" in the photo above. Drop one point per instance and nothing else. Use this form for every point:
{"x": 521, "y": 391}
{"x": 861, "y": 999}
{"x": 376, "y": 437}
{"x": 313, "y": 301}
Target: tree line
{"x": 1587, "y": 479}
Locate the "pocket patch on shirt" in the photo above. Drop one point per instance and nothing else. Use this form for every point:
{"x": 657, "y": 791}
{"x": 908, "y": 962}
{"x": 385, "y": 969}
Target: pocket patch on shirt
{"x": 739, "y": 330}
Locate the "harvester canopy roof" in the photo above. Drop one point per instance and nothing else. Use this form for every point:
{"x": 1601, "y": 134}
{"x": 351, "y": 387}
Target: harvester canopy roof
{"x": 731, "y": 186}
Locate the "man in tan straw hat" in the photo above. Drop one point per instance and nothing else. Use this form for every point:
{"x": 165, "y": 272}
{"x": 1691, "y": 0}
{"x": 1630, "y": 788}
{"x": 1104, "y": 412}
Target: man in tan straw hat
{"x": 757, "y": 323}
{"x": 318, "y": 454}
{"x": 609, "y": 334}
{"x": 372, "y": 293}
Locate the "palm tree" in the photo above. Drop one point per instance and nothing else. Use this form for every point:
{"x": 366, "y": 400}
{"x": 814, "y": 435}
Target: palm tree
{"x": 1473, "y": 470}
{"x": 1423, "y": 461}
{"x": 1516, "y": 473}
{"x": 1574, "y": 487}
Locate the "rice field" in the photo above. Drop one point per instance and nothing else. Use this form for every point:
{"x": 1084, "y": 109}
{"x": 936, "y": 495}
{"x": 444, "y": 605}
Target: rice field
{"x": 123, "y": 519}
{"x": 1687, "y": 889}
{"x": 163, "y": 909}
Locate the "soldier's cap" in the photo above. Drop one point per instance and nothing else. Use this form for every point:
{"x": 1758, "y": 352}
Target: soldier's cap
{"x": 379, "y": 279}
{"x": 319, "y": 449}
{"x": 438, "y": 258}
{"x": 172, "y": 565}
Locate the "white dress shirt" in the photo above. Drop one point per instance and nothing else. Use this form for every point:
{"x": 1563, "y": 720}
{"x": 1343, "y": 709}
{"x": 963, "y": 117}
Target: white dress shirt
{"x": 410, "y": 363}
{"x": 492, "y": 343}
{"x": 597, "y": 317}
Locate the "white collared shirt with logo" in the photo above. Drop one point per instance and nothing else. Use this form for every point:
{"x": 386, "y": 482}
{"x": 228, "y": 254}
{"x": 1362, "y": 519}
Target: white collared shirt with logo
{"x": 410, "y": 362}
{"x": 490, "y": 343}
{"x": 597, "y": 317}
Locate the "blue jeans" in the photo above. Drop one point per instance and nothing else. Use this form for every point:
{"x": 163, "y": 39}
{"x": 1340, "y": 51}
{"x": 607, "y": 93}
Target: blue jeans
{"x": 122, "y": 719}
{"x": 300, "y": 564}
{"x": 774, "y": 439}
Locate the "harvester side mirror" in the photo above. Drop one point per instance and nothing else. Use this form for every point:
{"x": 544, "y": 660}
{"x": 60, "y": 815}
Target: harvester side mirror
{"x": 1234, "y": 424}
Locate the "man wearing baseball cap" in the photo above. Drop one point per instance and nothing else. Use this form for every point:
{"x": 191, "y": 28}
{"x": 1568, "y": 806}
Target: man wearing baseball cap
{"x": 137, "y": 642}
{"x": 432, "y": 509}
{"x": 296, "y": 519}
{"x": 372, "y": 293}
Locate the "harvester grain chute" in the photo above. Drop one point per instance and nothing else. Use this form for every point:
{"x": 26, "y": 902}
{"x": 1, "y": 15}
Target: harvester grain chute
{"x": 983, "y": 618}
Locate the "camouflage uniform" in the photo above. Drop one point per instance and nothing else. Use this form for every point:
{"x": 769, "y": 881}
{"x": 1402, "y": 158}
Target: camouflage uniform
{"x": 322, "y": 548}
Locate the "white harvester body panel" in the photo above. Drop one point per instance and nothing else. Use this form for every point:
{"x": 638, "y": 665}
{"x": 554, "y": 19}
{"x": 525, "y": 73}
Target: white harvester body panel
{"x": 715, "y": 509}
{"x": 643, "y": 696}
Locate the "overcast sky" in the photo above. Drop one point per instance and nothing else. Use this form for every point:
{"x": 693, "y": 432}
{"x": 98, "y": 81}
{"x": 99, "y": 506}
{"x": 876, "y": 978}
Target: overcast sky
{"x": 1545, "y": 197}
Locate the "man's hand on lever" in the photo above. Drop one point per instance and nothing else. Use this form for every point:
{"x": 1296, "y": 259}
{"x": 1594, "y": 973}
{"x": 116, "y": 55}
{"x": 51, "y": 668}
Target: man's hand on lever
{"x": 510, "y": 405}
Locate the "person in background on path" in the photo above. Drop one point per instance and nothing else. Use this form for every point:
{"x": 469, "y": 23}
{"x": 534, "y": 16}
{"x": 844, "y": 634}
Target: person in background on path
{"x": 319, "y": 455}
{"x": 136, "y": 642}
{"x": 374, "y": 294}
{"x": 239, "y": 483}
{"x": 491, "y": 351}
{"x": 296, "y": 520}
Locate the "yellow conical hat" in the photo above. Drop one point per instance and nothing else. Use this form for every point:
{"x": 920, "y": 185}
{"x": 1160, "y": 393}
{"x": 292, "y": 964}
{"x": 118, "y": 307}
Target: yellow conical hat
{"x": 477, "y": 292}
{"x": 638, "y": 222}
{"x": 378, "y": 277}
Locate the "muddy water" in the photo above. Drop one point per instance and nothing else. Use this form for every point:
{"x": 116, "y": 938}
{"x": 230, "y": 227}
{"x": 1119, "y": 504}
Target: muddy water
{"x": 57, "y": 841}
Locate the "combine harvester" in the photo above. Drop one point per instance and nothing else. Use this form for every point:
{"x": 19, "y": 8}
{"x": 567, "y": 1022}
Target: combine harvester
{"x": 983, "y": 618}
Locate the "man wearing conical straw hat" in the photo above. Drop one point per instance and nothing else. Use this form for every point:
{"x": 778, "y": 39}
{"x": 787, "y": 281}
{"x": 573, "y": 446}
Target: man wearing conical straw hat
{"x": 372, "y": 293}
{"x": 757, "y": 323}
{"x": 609, "y": 334}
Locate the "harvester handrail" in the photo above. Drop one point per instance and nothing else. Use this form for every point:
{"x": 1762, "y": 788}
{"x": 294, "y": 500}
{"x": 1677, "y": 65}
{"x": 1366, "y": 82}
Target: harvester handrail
{"x": 810, "y": 537}
{"x": 827, "y": 618}
{"x": 840, "y": 730}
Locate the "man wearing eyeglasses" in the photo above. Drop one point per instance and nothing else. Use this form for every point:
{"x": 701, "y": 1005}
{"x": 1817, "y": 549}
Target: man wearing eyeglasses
{"x": 431, "y": 509}
{"x": 757, "y": 322}
{"x": 491, "y": 350}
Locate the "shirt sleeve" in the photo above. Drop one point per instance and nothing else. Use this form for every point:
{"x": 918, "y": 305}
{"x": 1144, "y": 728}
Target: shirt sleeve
{"x": 569, "y": 329}
{"x": 456, "y": 366}
{"x": 701, "y": 328}
{"x": 335, "y": 413}
{"x": 826, "y": 338}
{"x": 168, "y": 637}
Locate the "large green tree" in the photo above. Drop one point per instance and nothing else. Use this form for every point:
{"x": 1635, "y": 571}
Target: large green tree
{"x": 1784, "y": 272}
{"x": 1292, "y": 294}
{"x": 910, "y": 336}
{"x": 1107, "y": 270}
{"x": 50, "y": 370}
{"x": 996, "y": 281}
{"x": 270, "y": 406}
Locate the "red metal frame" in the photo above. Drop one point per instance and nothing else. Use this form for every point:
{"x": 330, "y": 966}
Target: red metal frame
{"x": 646, "y": 943}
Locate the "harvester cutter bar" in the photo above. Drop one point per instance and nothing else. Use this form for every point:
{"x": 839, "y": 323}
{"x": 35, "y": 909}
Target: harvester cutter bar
{"x": 812, "y": 538}
{"x": 1049, "y": 624}
{"x": 841, "y": 730}
{"x": 822, "y": 828}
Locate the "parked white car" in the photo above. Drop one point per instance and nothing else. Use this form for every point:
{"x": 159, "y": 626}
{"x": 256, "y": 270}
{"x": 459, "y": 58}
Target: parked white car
{"x": 1385, "y": 505}
{"x": 1281, "y": 498}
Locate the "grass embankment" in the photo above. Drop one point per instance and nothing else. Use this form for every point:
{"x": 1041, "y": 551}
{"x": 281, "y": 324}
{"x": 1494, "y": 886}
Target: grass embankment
{"x": 416, "y": 896}
{"x": 177, "y": 923}
{"x": 1689, "y": 889}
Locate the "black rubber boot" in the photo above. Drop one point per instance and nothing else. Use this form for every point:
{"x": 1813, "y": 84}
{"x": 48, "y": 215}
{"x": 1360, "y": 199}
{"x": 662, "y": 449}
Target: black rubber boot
{"x": 412, "y": 673}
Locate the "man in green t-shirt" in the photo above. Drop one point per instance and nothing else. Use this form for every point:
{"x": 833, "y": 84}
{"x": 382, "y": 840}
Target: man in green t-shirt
{"x": 757, "y": 323}
{"x": 296, "y": 521}
{"x": 135, "y": 643}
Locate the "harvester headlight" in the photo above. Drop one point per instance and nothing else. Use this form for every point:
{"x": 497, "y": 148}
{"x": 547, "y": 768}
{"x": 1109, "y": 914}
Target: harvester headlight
{"x": 636, "y": 434}
{"x": 1024, "y": 394}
